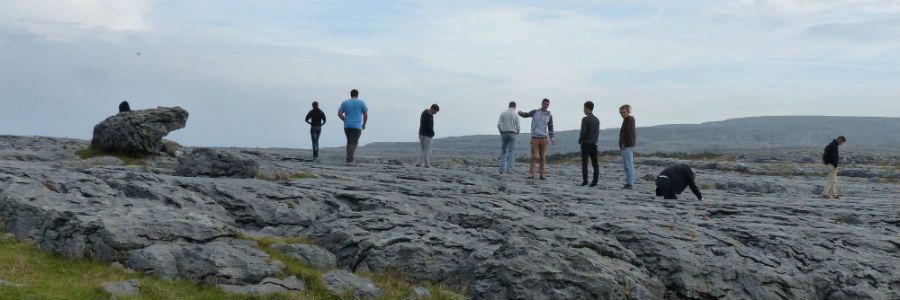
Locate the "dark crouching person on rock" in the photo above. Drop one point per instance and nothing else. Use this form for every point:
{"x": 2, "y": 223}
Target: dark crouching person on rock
{"x": 123, "y": 107}
{"x": 673, "y": 180}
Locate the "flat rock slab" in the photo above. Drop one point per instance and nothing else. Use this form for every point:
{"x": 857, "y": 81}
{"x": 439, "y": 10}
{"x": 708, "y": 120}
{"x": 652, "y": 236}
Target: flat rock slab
{"x": 123, "y": 288}
{"x": 309, "y": 254}
{"x": 215, "y": 163}
{"x": 341, "y": 281}
{"x": 267, "y": 286}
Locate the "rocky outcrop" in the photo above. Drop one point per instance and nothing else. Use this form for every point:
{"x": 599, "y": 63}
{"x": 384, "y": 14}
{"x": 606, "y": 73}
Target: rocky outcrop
{"x": 138, "y": 132}
{"x": 214, "y": 163}
{"x": 504, "y": 237}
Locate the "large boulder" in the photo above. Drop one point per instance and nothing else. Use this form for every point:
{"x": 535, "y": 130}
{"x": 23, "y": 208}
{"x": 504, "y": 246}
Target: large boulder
{"x": 214, "y": 163}
{"x": 138, "y": 132}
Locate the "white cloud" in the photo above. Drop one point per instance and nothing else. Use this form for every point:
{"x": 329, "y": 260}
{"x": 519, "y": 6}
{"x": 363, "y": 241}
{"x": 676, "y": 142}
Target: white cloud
{"x": 72, "y": 19}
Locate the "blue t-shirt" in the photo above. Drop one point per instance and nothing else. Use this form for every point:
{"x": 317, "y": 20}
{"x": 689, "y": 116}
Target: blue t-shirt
{"x": 353, "y": 110}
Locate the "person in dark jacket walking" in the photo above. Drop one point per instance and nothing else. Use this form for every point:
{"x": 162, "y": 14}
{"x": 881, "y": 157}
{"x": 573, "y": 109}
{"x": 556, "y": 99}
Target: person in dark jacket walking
{"x": 673, "y": 180}
{"x": 426, "y": 134}
{"x": 627, "y": 141}
{"x": 316, "y": 119}
{"x": 590, "y": 133}
{"x": 831, "y": 159}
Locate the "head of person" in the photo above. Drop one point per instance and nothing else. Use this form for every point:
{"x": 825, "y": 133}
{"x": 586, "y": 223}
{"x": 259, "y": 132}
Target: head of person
{"x": 841, "y": 140}
{"x": 588, "y": 107}
{"x": 512, "y": 104}
{"x": 545, "y": 104}
{"x": 354, "y": 93}
{"x": 315, "y": 104}
{"x": 434, "y": 109}
{"x": 625, "y": 110}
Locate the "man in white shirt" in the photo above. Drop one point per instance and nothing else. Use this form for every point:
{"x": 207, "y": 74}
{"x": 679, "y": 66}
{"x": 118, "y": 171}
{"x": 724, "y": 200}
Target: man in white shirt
{"x": 508, "y": 125}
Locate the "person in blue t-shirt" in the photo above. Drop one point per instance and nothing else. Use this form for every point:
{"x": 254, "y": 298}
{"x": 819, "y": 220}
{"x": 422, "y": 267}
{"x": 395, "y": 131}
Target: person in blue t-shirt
{"x": 355, "y": 114}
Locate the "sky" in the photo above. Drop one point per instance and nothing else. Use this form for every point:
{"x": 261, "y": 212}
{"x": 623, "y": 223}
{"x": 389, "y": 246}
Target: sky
{"x": 247, "y": 71}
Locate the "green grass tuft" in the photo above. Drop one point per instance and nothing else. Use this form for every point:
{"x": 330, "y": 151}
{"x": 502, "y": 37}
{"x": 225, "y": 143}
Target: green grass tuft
{"x": 282, "y": 175}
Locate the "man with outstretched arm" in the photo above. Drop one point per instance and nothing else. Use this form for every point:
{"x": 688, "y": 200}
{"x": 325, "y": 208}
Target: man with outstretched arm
{"x": 316, "y": 119}
{"x": 541, "y": 130}
{"x": 355, "y": 115}
{"x": 673, "y": 180}
{"x": 508, "y": 125}
{"x": 426, "y": 134}
{"x": 590, "y": 133}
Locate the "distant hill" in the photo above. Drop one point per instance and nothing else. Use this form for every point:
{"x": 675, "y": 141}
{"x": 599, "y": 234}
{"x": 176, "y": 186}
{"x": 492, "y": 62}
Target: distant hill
{"x": 870, "y": 134}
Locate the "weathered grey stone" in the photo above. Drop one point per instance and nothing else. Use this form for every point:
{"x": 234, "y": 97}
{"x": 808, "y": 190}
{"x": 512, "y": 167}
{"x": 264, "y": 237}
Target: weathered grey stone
{"x": 8, "y": 237}
{"x": 267, "y": 286}
{"x": 309, "y": 254}
{"x": 123, "y": 288}
{"x": 341, "y": 281}
{"x": 214, "y": 163}
{"x": 139, "y": 131}
{"x": 419, "y": 293}
{"x": 11, "y": 284}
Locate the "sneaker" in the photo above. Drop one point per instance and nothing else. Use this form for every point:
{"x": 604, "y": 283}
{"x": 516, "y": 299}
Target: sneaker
{"x": 543, "y": 178}
{"x": 531, "y": 177}
{"x": 593, "y": 184}
{"x": 583, "y": 183}
{"x": 628, "y": 187}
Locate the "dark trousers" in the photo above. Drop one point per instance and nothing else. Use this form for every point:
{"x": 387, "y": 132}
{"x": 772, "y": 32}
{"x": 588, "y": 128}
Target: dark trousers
{"x": 589, "y": 150}
{"x": 314, "y": 133}
{"x": 353, "y": 135}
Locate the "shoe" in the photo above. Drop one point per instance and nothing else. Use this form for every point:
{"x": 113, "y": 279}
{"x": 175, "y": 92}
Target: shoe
{"x": 543, "y": 178}
{"x": 836, "y": 197}
{"x": 627, "y": 187}
{"x": 826, "y": 197}
{"x": 593, "y": 184}
{"x": 583, "y": 183}
{"x": 531, "y": 177}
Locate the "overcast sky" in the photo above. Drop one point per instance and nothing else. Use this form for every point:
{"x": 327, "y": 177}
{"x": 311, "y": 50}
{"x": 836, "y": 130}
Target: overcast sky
{"x": 247, "y": 71}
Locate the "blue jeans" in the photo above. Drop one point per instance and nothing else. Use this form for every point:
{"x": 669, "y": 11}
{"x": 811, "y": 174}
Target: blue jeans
{"x": 628, "y": 162}
{"x": 314, "y": 133}
{"x": 507, "y": 152}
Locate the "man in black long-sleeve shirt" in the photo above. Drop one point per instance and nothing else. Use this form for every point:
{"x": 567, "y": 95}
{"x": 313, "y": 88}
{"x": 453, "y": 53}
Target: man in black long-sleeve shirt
{"x": 315, "y": 118}
{"x": 590, "y": 132}
{"x": 831, "y": 158}
{"x": 426, "y": 133}
{"x": 673, "y": 180}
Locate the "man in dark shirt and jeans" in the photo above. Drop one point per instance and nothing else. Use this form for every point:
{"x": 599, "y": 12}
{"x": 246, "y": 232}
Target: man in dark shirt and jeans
{"x": 831, "y": 159}
{"x": 627, "y": 141}
{"x": 316, "y": 119}
{"x": 590, "y": 132}
{"x": 426, "y": 134}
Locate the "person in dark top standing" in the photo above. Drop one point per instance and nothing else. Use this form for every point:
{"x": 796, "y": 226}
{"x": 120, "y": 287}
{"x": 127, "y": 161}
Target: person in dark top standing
{"x": 831, "y": 159}
{"x": 426, "y": 134}
{"x": 627, "y": 141}
{"x": 590, "y": 133}
{"x": 316, "y": 119}
{"x": 123, "y": 107}
{"x": 673, "y": 180}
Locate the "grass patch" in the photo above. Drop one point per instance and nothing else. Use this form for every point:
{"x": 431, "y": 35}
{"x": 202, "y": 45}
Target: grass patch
{"x": 51, "y": 276}
{"x": 128, "y": 159}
